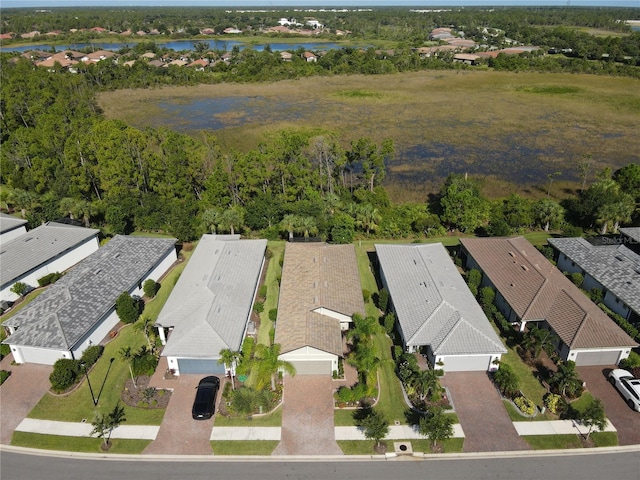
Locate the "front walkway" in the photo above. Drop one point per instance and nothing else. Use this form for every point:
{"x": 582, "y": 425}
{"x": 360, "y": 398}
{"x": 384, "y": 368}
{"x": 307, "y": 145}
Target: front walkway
{"x": 307, "y": 417}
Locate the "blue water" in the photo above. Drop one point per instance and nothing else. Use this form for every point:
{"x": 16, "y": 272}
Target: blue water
{"x": 178, "y": 45}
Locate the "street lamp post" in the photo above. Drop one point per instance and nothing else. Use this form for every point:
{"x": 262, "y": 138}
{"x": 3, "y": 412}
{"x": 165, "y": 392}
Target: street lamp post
{"x": 86, "y": 374}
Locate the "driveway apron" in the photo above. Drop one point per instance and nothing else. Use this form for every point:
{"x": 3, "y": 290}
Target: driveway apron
{"x": 180, "y": 434}
{"x": 485, "y": 422}
{"x": 626, "y": 421}
{"x": 307, "y": 417}
{"x": 20, "y": 393}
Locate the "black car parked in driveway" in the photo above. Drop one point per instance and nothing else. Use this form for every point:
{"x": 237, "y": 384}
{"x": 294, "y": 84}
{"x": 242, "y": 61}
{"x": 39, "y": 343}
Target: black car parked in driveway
{"x": 204, "y": 403}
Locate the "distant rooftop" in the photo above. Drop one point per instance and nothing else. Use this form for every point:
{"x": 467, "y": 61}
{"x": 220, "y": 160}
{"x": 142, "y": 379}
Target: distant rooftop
{"x": 36, "y": 247}
{"x": 63, "y": 314}
{"x": 9, "y": 222}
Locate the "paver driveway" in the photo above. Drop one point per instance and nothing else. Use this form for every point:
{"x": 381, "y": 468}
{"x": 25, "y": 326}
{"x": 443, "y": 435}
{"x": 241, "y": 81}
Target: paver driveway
{"x": 307, "y": 417}
{"x": 20, "y": 393}
{"x": 485, "y": 422}
{"x": 179, "y": 433}
{"x": 626, "y": 421}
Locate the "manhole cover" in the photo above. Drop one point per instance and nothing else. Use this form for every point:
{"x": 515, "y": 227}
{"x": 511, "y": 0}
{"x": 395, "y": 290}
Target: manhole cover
{"x": 403, "y": 448}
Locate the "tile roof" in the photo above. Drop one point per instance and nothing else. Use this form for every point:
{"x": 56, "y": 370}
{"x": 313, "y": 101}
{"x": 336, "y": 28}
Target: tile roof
{"x": 61, "y": 316}
{"x": 615, "y": 267}
{"x": 38, "y": 246}
{"x": 211, "y": 303}
{"x": 632, "y": 232}
{"x": 9, "y": 222}
{"x": 536, "y": 290}
{"x": 433, "y": 303}
{"x": 315, "y": 276}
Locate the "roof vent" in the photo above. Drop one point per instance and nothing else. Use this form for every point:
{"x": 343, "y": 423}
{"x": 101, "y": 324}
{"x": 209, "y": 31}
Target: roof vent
{"x": 512, "y": 254}
{"x": 525, "y": 268}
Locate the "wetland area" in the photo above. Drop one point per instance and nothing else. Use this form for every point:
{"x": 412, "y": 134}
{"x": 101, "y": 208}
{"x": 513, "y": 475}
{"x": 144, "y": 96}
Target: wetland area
{"x": 512, "y": 128}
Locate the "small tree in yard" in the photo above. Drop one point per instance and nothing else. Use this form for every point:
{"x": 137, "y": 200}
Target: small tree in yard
{"x": 375, "y": 427}
{"x": 150, "y": 288}
{"x": 437, "y": 426}
{"x": 19, "y": 288}
{"x": 127, "y": 355}
{"x": 127, "y": 308}
{"x": 103, "y": 425}
{"x": 593, "y": 416}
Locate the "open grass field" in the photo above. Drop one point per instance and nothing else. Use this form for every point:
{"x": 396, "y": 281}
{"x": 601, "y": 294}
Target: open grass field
{"x": 511, "y": 129}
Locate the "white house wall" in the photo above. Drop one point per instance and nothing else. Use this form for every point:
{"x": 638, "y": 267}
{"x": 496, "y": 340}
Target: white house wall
{"x": 57, "y": 264}
{"x": 97, "y": 333}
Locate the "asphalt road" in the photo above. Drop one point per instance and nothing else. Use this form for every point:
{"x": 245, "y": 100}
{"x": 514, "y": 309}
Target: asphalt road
{"x": 575, "y": 466}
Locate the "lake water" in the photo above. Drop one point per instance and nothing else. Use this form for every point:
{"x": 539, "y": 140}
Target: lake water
{"x": 178, "y": 45}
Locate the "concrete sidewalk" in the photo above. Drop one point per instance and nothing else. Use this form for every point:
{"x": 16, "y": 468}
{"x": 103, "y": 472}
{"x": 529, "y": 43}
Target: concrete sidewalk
{"x": 396, "y": 432}
{"x": 556, "y": 427}
{"x": 70, "y": 429}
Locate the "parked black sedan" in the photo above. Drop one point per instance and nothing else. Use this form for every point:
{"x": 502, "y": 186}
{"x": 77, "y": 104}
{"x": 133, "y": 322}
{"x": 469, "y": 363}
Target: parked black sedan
{"x": 204, "y": 404}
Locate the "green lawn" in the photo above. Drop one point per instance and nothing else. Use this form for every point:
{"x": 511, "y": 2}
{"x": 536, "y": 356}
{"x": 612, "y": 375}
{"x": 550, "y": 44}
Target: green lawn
{"x": 248, "y": 447}
{"x": 77, "y": 444}
{"x": 109, "y": 377}
{"x": 343, "y": 417}
{"x": 365, "y": 447}
{"x": 562, "y": 442}
{"x": 529, "y": 384}
{"x": 274, "y": 270}
{"x": 272, "y": 420}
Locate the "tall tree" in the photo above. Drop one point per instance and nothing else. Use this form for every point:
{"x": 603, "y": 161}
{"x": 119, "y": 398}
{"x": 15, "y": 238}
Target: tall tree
{"x": 437, "y": 426}
{"x": 229, "y": 358}
{"x": 462, "y": 205}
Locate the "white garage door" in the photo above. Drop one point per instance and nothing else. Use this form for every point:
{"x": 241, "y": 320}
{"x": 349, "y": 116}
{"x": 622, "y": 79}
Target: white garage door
{"x": 606, "y": 357}
{"x": 313, "y": 367}
{"x": 467, "y": 363}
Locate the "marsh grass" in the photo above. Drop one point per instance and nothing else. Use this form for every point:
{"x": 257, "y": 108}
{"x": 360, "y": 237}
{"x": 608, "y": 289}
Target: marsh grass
{"x": 461, "y": 120}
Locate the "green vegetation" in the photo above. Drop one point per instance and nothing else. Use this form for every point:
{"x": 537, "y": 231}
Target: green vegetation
{"x": 365, "y": 447}
{"x": 562, "y": 442}
{"x": 77, "y": 444}
{"x": 273, "y": 419}
{"x": 550, "y": 89}
{"x": 249, "y": 447}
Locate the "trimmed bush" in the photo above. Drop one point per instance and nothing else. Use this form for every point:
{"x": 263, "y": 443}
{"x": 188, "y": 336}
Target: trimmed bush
{"x": 366, "y": 295}
{"x": 258, "y": 307}
{"x": 150, "y": 288}
{"x": 91, "y": 355}
{"x": 577, "y": 278}
{"x": 273, "y": 314}
{"x": 262, "y": 291}
{"x": 554, "y": 403}
{"x": 64, "y": 374}
{"x": 127, "y": 308}
{"x": 474, "y": 277}
{"x": 525, "y": 405}
{"x": 383, "y": 299}
{"x": 49, "y": 279}
{"x": 389, "y": 322}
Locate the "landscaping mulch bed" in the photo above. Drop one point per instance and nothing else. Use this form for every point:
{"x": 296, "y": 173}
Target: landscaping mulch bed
{"x": 134, "y": 397}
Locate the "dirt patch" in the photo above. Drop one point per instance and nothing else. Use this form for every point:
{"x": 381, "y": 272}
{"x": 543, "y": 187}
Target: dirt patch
{"x": 143, "y": 395}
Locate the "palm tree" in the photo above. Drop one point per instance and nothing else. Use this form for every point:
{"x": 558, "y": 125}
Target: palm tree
{"x": 367, "y": 216}
{"x": 425, "y": 382}
{"x": 307, "y": 225}
{"x": 538, "y": 339}
{"x": 146, "y": 328}
{"x": 363, "y": 327}
{"x": 567, "y": 378}
{"x": 269, "y": 364}
{"x": 230, "y": 359}
{"x": 127, "y": 356}
{"x": 289, "y": 223}
{"x": 210, "y": 218}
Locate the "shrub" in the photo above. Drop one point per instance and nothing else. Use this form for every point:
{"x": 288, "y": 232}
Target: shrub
{"x": 49, "y": 279}
{"x": 19, "y": 288}
{"x": 487, "y": 296}
{"x": 366, "y": 295}
{"x": 389, "y": 322}
{"x": 258, "y": 307}
{"x": 64, "y": 374}
{"x": 91, "y": 355}
{"x": 473, "y": 289}
{"x": 4, "y": 374}
{"x": 554, "y": 403}
{"x": 126, "y": 308}
{"x": 262, "y": 291}
{"x": 150, "y": 288}
{"x": 577, "y": 278}
{"x": 507, "y": 381}
{"x": 525, "y": 405}
{"x": 383, "y": 299}
{"x": 571, "y": 231}
{"x": 273, "y": 314}
{"x": 474, "y": 277}
{"x": 632, "y": 361}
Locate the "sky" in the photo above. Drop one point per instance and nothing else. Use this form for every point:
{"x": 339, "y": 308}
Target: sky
{"x": 312, "y": 3}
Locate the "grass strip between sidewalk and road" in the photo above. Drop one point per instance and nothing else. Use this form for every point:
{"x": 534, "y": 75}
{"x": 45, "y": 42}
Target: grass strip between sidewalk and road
{"x": 562, "y": 442}
{"x": 365, "y": 447}
{"x": 244, "y": 447}
{"x": 77, "y": 444}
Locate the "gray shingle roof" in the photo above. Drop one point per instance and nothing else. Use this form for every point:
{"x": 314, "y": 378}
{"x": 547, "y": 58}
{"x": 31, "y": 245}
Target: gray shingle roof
{"x": 536, "y": 290}
{"x": 615, "y": 267}
{"x": 433, "y": 303}
{"x": 314, "y": 276}
{"x": 210, "y": 304}
{"x": 38, "y": 246}
{"x": 63, "y": 314}
{"x": 632, "y": 232}
{"x": 9, "y": 222}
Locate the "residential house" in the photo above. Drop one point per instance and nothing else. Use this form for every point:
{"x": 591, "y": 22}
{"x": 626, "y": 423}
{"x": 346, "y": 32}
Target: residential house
{"x": 210, "y": 306}
{"x": 614, "y": 269}
{"x": 11, "y": 227}
{"x": 320, "y": 291}
{"x": 286, "y": 56}
{"x": 435, "y": 311}
{"x": 79, "y": 309}
{"x": 309, "y": 57}
{"x": 530, "y": 289}
{"x": 49, "y": 248}
{"x": 467, "y": 58}
{"x": 630, "y": 236}
{"x": 96, "y": 56}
